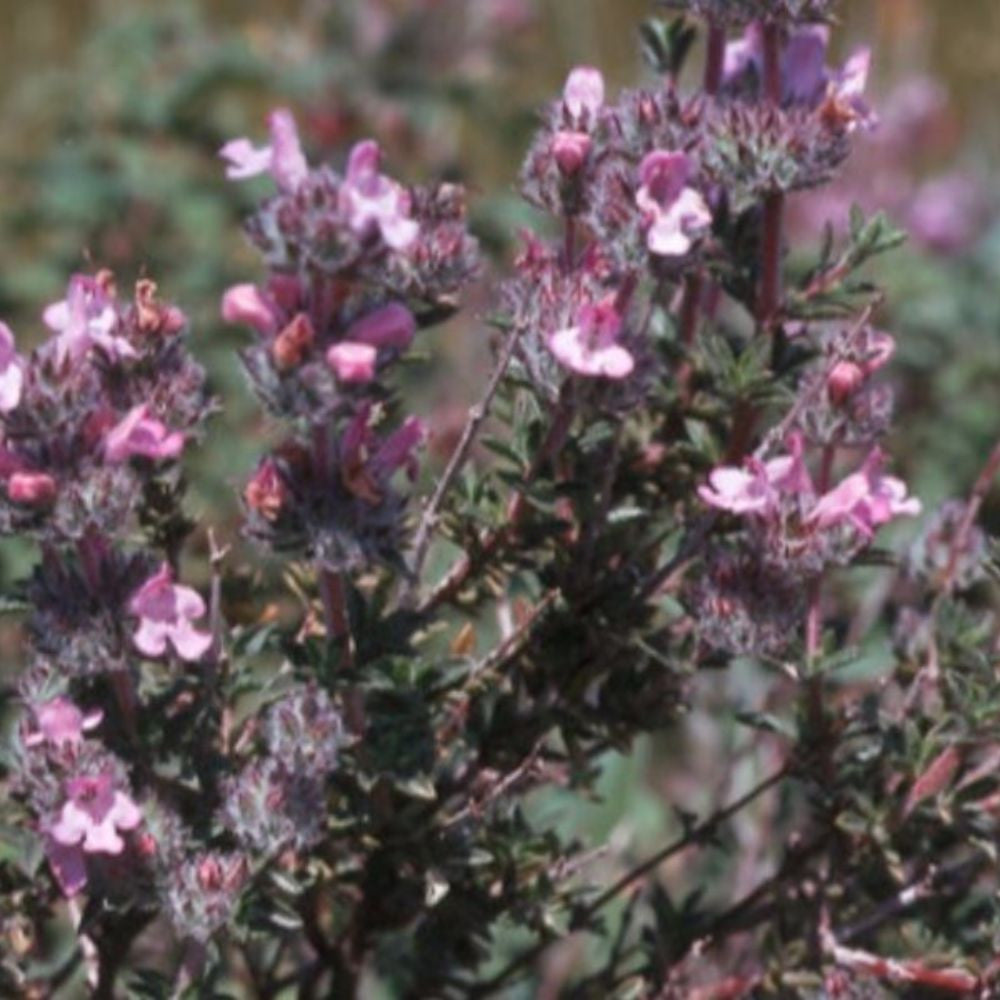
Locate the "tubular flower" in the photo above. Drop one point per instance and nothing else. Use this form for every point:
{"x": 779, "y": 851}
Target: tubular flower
{"x": 673, "y": 214}
{"x": 60, "y": 723}
{"x": 166, "y": 613}
{"x": 247, "y": 304}
{"x": 282, "y": 158}
{"x": 93, "y": 814}
{"x": 759, "y": 486}
{"x": 591, "y": 347}
{"x": 86, "y": 318}
{"x": 865, "y": 500}
{"x": 374, "y": 202}
{"x": 140, "y": 434}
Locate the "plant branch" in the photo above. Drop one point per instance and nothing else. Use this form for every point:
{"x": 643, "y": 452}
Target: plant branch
{"x": 477, "y": 415}
{"x": 695, "y": 835}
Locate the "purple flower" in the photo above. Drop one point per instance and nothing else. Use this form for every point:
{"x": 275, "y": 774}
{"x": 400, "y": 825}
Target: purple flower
{"x": 367, "y": 464}
{"x": 11, "y": 371}
{"x": 166, "y": 612}
{"x": 673, "y": 213}
{"x": 283, "y": 158}
{"x": 392, "y": 325}
{"x": 374, "y": 202}
{"x": 60, "y": 723}
{"x": 397, "y": 451}
{"x": 803, "y": 64}
{"x": 583, "y": 94}
{"x": 804, "y": 75}
{"x": 93, "y": 814}
{"x": 866, "y": 499}
{"x": 352, "y": 362}
{"x": 86, "y": 318}
{"x": 140, "y": 434}
{"x": 247, "y": 304}
{"x": 591, "y": 347}
{"x": 758, "y": 487}
{"x": 806, "y": 80}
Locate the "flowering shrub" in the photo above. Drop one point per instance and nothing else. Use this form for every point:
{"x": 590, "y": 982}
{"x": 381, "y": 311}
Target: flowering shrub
{"x": 689, "y": 465}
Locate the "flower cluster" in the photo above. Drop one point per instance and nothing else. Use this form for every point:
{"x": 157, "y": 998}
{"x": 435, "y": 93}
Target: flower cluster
{"x": 357, "y": 264}
{"x": 797, "y": 522}
{"x": 86, "y": 816}
{"x": 99, "y": 410}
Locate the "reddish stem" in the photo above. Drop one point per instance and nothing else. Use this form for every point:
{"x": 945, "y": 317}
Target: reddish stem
{"x": 694, "y": 284}
{"x": 769, "y": 296}
{"x": 493, "y": 541}
{"x": 714, "y": 58}
{"x": 338, "y": 629}
{"x": 769, "y": 293}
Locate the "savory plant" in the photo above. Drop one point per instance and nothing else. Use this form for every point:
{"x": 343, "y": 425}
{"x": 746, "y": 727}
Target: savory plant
{"x": 688, "y": 462}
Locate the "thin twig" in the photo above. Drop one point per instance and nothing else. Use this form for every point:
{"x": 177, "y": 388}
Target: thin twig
{"x": 493, "y": 541}
{"x": 695, "y": 835}
{"x": 979, "y": 492}
{"x": 477, "y": 415}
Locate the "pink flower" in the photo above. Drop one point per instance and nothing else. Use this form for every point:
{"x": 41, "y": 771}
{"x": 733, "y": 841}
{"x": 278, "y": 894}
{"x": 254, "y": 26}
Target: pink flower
{"x": 759, "y": 486}
{"x": 389, "y": 326}
{"x": 570, "y": 151}
{"x": 61, "y": 723}
{"x": 32, "y": 488}
{"x": 86, "y": 318}
{"x": 247, "y": 304}
{"x": 591, "y": 347}
{"x": 140, "y": 434}
{"x": 374, "y": 202}
{"x": 11, "y": 371}
{"x": 673, "y": 213}
{"x": 583, "y": 94}
{"x": 166, "y": 611}
{"x": 283, "y": 158}
{"x": 93, "y": 814}
{"x": 352, "y": 362}
{"x": 866, "y": 499}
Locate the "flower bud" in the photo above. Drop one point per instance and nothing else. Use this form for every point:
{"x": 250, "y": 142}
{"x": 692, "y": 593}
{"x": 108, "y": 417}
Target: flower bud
{"x": 352, "y": 362}
{"x": 843, "y": 381}
{"x": 37, "y": 489}
{"x": 246, "y": 304}
{"x": 293, "y": 343}
{"x": 570, "y": 150}
{"x": 266, "y": 492}
{"x": 390, "y": 326}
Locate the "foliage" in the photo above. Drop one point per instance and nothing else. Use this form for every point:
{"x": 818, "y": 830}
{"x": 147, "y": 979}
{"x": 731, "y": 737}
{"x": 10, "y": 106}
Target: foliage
{"x": 679, "y": 479}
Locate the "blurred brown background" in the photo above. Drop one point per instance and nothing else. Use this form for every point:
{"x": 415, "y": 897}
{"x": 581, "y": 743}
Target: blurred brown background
{"x": 956, "y": 39}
